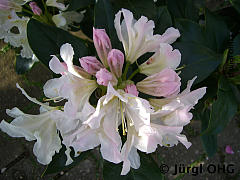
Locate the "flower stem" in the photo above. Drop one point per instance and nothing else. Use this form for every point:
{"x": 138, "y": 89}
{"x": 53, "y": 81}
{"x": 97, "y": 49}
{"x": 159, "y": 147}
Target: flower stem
{"x": 126, "y": 70}
{"x": 27, "y": 11}
{"x": 133, "y": 74}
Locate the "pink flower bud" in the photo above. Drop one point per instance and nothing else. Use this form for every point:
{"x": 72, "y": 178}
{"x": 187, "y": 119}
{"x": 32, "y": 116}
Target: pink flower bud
{"x": 104, "y": 77}
{"x": 90, "y": 64}
{"x": 131, "y": 89}
{"x": 115, "y": 61}
{"x": 165, "y": 83}
{"x": 35, "y": 9}
{"x": 102, "y": 44}
{"x": 229, "y": 150}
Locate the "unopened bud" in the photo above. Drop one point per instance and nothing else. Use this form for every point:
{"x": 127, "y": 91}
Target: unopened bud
{"x": 35, "y": 9}
{"x": 102, "y": 44}
{"x": 90, "y": 64}
{"x": 104, "y": 77}
{"x": 115, "y": 61}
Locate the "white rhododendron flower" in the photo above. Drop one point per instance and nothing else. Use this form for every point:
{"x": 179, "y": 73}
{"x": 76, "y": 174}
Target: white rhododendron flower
{"x": 41, "y": 128}
{"x": 17, "y": 39}
{"x": 164, "y": 57}
{"x": 74, "y": 85}
{"x": 119, "y": 110}
{"x": 137, "y": 36}
{"x": 64, "y": 19}
{"x": 57, "y": 3}
{"x": 9, "y": 20}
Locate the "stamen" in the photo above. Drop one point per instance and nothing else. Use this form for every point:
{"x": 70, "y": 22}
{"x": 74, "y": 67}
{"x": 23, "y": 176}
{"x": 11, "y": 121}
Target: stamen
{"x": 123, "y": 120}
{"x": 55, "y": 99}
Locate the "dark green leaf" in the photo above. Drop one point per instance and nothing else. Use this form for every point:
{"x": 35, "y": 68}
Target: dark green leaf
{"x": 23, "y": 64}
{"x": 138, "y": 7}
{"x": 236, "y": 92}
{"x": 147, "y": 171}
{"x": 209, "y": 140}
{"x": 79, "y": 4}
{"x": 201, "y": 47}
{"x": 223, "y": 109}
{"x": 104, "y": 18}
{"x": 217, "y": 32}
{"x": 87, "y": 23}
{"x": 59, "y": 160}
{"x": 236, "y": 4}
{"x": 162, "y": 20}
{"x": 199, "y": 60}
{"x": 183, "y": 9}
{"x": 236, "y": 45}
{"x": 231, "y": 18}
{"x": 46, "y": 40}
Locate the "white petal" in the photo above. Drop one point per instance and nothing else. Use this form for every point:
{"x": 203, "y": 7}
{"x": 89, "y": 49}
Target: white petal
{"x": 189, "y": 85}
{"x": 15, "y": 131}
{"x": 59, "y": 20}
{"x": 184, "y": 141}
{"x": 125, "y": 153}
{"x": 69, "y": 159}
{"x": 137, "y": 36}
{"x": 33, "y": 99}
{"x": 82, "y": 139}
{"x": 111, "y": 92}
{"x": 35, "y": 127}
{"x": 54, "y": 3}
{"x": 66, "y": 52}
{"x": 134, "y": 158}
{"x": 170, "y": 35}
{"x": 86, "y": 112}
{"x": 95, "y": 119}
{"x": 165, "y": 57}
{"x": 193, "y": 97}
{"x": 138, "y": 112}
{"x": 15, "y": 112}
{"x": 56, "y": 66}
{"x": 52, "y": 87}
{"x": 48, "y": 142}
{"x": 110, "y": 122}
{"x": 109, "y": 150}
{"x": 63, "y": 122}
{"x": 148, "y": 140}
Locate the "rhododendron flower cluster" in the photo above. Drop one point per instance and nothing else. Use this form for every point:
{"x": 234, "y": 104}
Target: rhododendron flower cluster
{"x": 11, "y": 17}
{"x": 121, "y": 110}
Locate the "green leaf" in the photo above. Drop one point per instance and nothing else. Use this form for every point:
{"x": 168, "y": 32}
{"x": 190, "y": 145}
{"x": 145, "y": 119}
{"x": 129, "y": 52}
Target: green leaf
{"x": 236, "y": 45}
{"x": 162, "y": 20}
{"x": 201, "y": 54}
{"x": 147, "y": 171}
{"x": 59, "y": 160}
{"x": 199, "y": 60}
{"x": 236, "y": 92}
{"x": 104, "y": 18}
{"x": 217, "y": 33}
{"x": 46, "y": 40}
{"x": 209, "y": 140}
{"x": 235, "y": 79}
{"x": 137, "y": 7}
{"x": 236, "y": 4}
{"x": 223, "y": 109}
{"x": 23, "y": 64}
{"x": 183, "y": 9}
{"x": 79, "y": 4}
